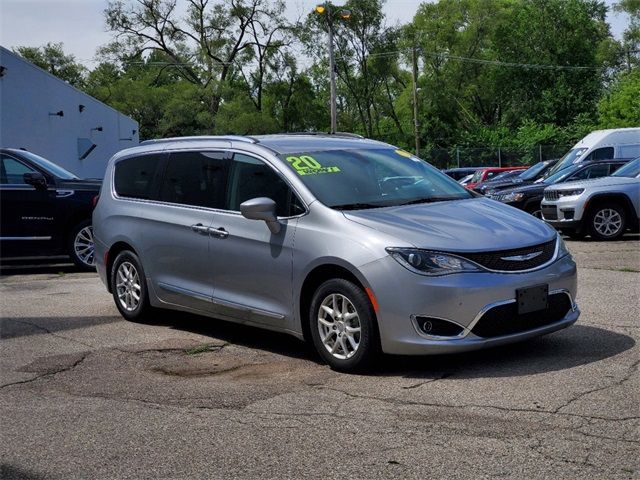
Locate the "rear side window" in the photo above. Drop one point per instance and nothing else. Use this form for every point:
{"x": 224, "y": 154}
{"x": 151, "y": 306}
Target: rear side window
{"x": 136, "y": 177}
{"x": 195, "y": 178}
{"x": 251, "y": 178}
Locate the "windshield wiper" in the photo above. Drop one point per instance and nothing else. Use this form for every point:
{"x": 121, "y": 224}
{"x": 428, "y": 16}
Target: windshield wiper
{"x": 357, "y": 206}
{"x": 429, "y": 200}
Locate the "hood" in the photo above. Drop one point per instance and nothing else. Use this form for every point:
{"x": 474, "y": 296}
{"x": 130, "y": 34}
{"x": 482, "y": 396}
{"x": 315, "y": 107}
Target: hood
{"x": 471, "y": 225}
{"x": 530, "y": 188}
{"x": 596, "y": 182}
{"x": 503, "y": 184}
{"x": 80, "y": 184}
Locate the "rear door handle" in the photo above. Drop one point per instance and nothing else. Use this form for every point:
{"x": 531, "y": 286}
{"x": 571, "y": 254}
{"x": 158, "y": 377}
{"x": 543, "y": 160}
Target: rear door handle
{"x": 218, "y": 232}
{"x": 199, "y": 228}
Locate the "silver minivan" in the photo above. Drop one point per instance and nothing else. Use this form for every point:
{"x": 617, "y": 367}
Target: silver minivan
{"x": 350, "y": 243}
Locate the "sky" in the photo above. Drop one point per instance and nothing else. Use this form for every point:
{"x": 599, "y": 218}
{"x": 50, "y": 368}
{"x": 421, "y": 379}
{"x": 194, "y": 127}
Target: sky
{"x": 79, "y": 24}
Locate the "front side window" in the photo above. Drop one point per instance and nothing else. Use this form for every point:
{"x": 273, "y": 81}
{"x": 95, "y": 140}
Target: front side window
{"x": 605, "y": 153}
{"x": 13, "y": 170}
{"x": 136, "y": 177}
{"x": 195, "y": 178}
{"x": 251, "y": 178}
{"x": 371, "y": 177}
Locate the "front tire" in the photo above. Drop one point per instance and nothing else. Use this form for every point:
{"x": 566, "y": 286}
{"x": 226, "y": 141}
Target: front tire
{"x": 129, "y": 288}
{"x": 343, "y": 326}
{"x": 81, "y": 248}
{"x": 607, "y": 221}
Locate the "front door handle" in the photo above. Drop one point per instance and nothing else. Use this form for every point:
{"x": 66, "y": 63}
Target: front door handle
{"x": 218, "y": 232}
{"x": 199, "y": 228}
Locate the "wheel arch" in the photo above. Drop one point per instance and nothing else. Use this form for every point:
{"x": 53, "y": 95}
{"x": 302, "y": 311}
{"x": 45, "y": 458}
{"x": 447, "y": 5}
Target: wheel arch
{"x": 114, "y": 251}
{"x": 317, "y": 275}
{"x": 615, "y": 197}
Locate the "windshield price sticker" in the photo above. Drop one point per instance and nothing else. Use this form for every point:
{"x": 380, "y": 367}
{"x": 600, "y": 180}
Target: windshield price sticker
{"x": 307, "y": 165}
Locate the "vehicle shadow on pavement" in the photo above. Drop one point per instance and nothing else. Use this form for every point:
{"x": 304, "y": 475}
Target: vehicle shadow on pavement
{"x": 575, "y": 346}
{"x": 237, "y": 334}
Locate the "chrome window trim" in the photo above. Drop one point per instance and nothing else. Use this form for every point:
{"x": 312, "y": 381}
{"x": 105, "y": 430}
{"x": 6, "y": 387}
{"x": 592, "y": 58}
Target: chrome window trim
{"x": 25, "y": 238}
{"x": 115, "y": 195}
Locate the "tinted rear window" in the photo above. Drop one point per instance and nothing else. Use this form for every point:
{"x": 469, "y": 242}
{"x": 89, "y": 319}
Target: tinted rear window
{"x": 136, "y": 177}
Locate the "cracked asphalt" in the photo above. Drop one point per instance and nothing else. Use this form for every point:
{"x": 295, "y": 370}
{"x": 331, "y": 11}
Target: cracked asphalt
{"x": 85, "y": 394}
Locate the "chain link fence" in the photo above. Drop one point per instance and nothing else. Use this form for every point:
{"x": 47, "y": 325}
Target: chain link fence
{"x": 491, "y": 157}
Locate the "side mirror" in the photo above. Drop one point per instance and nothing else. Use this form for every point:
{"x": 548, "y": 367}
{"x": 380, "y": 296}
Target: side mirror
{"x": 261, "y": 208}
{"x": 36, "y": 179}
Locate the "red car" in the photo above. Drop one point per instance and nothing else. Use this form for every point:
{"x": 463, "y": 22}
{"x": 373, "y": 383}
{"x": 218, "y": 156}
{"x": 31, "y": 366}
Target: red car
{"x": 485, "y": 174}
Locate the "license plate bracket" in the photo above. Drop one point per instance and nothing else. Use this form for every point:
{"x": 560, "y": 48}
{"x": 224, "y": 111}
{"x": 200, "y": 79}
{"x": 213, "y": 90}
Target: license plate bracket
{"x": 532, "y": 299}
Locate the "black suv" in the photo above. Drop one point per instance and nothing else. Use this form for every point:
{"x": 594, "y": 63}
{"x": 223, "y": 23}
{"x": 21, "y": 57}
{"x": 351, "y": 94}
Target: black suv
{"x": 529, "y": 197}
{"x": 45, "y": 210}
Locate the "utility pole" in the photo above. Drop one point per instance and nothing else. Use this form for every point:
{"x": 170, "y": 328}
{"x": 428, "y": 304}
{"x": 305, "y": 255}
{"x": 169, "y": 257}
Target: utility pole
{"x": 416, "y": 129}
{"x": 332, "y": 77}
{"x": 325, "y": 9}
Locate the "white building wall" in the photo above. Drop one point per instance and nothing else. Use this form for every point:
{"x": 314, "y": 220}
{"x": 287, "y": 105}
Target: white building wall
{"x": 28, "y": 97}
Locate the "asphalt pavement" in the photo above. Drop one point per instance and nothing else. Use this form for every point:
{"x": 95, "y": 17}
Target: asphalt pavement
{"x": 85, "y": 394}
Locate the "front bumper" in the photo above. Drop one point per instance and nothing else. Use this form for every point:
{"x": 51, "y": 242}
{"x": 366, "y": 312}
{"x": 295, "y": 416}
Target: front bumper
{"x": 458, "y": 298}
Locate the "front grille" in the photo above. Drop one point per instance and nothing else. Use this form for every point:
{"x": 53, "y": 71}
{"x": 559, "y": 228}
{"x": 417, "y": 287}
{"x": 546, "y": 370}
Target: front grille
{"x": 549, "y": 212}
{"x": 504, "y": 319}
{"x": 500, "y": 260}
{"x": 551, "y": 195}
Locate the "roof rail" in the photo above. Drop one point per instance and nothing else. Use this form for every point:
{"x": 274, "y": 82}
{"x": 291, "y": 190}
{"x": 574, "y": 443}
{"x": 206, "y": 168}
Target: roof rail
{"x": 327, "y": 134}
{"x": 229, "y": 138}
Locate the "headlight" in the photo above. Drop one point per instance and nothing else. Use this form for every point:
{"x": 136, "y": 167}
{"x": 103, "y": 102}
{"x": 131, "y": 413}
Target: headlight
{"x": 424, "y": 262}
{"x": 570, "y": 193}
{"x": 512, "y": 197}
{"x": 563, "y": 251}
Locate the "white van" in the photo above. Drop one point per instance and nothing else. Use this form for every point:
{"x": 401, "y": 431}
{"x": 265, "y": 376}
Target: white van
{"x": 602, "y": 145}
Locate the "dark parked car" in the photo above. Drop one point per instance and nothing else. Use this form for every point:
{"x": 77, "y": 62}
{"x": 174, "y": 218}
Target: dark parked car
{"x": 459, "y": 173}
{"x": 527, "y": 177}
{"x": 528, "y": 197}
{"x": 46, "y": 210}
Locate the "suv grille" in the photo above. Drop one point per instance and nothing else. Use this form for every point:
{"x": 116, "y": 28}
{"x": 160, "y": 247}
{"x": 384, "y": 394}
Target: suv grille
{"x": 551, "y": 195}
{"x": 504, "y": 319}
{"x": 501, "y": 260}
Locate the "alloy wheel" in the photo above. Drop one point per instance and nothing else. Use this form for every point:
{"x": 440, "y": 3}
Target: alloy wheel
{"x": 339, "y": 326}
{"x": 607, "y": 222}
{"x": 83, "y": 246}
{"x": 128, "y": 286}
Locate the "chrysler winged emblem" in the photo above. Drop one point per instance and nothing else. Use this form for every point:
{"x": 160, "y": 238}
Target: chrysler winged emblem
{"x": 521, "y": 258}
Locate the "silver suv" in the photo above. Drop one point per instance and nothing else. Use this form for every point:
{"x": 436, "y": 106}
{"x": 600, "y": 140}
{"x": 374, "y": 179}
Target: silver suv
{"x": 604, "y": 208}
{"x": 350, "y": 243}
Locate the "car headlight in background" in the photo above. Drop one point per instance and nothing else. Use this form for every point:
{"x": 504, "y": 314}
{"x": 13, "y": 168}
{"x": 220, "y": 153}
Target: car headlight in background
{"x": 570, "y": 193}
{"x": 424, "y": 262}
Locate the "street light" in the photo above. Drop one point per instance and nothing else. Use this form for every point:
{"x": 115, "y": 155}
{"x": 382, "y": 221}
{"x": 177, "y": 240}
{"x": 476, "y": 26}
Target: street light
{"x": 344, "y": 14}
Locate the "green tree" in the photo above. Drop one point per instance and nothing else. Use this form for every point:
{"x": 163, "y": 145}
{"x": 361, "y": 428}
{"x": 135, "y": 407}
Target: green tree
{"x": 621, "y": 107}
{"x": 51, "y": 57}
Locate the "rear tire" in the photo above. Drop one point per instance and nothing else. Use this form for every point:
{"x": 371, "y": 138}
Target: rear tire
{"x": 607, "y": 221}
{"x": 343, "y": 326}
{"x": 81, "y": 249}
{"x": 129, "y": 288}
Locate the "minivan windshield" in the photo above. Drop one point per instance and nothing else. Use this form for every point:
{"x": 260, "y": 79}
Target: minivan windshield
{"x": 50, "y": 167}
{"x": 631, "y": 169}
{"x": 353, "y": 179}
{"x": 567, "y": 160}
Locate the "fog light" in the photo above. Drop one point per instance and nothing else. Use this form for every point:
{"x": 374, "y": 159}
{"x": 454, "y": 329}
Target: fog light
{"x": 437, "y": 326}
{"x": 568, "y": 213}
